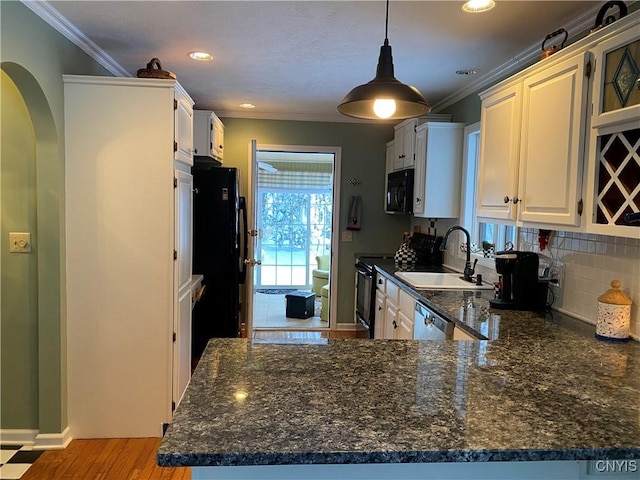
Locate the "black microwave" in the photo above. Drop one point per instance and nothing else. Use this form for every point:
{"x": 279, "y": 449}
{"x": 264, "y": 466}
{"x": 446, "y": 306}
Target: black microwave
{"x": 400, "y": 191}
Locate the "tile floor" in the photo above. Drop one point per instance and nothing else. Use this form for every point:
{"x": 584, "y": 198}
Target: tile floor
{"x": 269, "y": 312}
{"x": 15, "y": 460}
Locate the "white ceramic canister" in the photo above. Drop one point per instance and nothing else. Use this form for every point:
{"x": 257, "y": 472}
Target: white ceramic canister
{"x": 614, "y": 315}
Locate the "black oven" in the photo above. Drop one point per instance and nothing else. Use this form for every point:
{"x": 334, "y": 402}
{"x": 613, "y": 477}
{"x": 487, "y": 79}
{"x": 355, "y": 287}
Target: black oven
{"x": 365, "y": 296}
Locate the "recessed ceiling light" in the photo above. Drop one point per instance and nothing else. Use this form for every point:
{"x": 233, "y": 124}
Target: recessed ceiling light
{"x": 477, "y": 6}
{"x": 202, "y": 56}
{"x": 247, "y": 105}
{"x": 472, "y": 71}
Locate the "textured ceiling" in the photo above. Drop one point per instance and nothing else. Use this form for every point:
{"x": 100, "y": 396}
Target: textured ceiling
{"x": 297, "y": 59}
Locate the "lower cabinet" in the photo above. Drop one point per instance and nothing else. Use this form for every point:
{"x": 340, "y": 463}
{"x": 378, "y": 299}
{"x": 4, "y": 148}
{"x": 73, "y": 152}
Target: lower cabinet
{"x": 394, "y": 311}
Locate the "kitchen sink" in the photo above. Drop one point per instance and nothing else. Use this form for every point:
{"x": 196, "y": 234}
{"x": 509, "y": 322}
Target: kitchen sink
{"x": 440, "y": 281}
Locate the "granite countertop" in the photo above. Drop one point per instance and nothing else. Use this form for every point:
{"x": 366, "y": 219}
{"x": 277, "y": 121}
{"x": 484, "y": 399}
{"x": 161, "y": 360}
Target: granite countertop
{"x": 470, "y": 311}
{"x": 350, "y": 401}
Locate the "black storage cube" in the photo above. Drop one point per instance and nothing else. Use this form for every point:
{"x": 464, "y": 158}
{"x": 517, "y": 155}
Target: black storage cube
{"x": 300, "y": 304}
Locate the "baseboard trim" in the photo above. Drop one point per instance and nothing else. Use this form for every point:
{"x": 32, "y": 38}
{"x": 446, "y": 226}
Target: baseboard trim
{"x": 53, "y": 441}
{"x": 346, "y": 327}
{"x": 25, "y": 436}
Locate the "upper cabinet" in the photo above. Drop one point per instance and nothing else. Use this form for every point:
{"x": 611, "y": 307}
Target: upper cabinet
{"x": 613, "y": 168}
{"x": 183, "y": 126}
{"x": 404, "y": 139}
{"x": 438, "y": 164}
{"x": 560, "y": 140}
{"x": 208, "y": 135}
{"x": 532, "y": 143}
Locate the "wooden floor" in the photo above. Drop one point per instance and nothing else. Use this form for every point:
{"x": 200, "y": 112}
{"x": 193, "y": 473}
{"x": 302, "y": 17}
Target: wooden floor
{"x": 129, "y": 458}
{"x": 105, "y": 459}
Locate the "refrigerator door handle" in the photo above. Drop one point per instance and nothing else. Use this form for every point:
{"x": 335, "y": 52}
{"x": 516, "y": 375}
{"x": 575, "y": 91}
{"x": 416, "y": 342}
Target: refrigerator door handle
{"x": 244, "y": 239}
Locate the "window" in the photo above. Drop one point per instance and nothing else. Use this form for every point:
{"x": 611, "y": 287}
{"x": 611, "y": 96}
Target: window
{"x": 486, "y": 238}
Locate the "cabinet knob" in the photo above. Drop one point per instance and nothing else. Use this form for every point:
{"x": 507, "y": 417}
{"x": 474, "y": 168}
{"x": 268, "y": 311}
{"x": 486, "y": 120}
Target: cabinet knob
{"x": 379, "y": 281}
{"x": 379, "y": 308}
{"x": 395, "y": 325}
{"x": 418, "y": 200}
{"x": 195, "y": 151}
{"x": 506, "y": 199}
{"x": 515, "y": 200}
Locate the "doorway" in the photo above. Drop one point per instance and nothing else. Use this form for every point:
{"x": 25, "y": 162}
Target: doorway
{"x": 293, "y": 192}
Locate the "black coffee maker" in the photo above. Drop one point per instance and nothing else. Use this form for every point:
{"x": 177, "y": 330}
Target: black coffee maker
{"x": 520, "y": 286}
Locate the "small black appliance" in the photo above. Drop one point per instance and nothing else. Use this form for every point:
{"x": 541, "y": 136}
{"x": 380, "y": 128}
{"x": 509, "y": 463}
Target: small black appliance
{"x": 400, "y": 191}
{"x": 521, "y": 288}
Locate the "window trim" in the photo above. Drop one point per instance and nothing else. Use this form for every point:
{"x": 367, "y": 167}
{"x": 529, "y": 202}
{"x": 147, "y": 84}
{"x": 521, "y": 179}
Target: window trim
{"x": 468, "y": 218}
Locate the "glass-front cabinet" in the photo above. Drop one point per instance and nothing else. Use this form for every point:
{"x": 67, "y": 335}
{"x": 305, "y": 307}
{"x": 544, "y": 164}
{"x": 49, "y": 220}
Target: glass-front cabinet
{"x": 613, "y": 195}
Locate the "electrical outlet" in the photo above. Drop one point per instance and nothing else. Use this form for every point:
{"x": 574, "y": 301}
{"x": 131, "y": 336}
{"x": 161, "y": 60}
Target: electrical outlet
{"x": 556, "y": 281}
{"x": 19, "y": 242}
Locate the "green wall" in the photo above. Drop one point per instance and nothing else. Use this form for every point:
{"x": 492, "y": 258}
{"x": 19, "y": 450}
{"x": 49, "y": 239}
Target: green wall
{"x": 363, "y": 158}
{"x": 19, "y": 273}
{"x": 32, "y": 322}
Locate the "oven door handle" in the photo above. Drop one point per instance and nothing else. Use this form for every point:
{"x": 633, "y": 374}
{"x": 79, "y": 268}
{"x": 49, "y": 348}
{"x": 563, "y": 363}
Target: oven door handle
{"x": 364, "y": 271}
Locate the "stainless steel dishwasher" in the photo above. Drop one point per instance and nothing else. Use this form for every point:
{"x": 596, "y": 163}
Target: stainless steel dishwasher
{"x": 427, "y": 325}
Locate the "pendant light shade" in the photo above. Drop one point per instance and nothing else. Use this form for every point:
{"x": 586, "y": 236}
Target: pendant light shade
{"x": 384, "y": 97}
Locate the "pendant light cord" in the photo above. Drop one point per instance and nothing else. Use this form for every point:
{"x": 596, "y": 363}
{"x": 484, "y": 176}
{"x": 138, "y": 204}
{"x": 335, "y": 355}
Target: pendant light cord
{"x": 386, "y": 26}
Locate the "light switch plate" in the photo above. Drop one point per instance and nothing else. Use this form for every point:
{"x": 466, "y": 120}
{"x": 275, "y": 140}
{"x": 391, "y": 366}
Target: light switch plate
{"x": 19, "y": 242}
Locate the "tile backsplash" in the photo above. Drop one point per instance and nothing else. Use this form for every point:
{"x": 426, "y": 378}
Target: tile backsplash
{"x": 590, "y": 261}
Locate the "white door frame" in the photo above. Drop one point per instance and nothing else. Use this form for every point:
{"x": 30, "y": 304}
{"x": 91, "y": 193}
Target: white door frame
{"x": 335, "y": 222}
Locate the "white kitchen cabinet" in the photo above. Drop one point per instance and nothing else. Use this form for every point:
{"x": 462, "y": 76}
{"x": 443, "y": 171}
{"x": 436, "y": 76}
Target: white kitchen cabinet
{"x": 613, "y": 163}
{"x": 438, "y": 166}
{"x": 208, "y": 135}
{"x": 499, "y": 141}
{"x": 394, "y": 311}
{"x": 128, "y": 253}
{"x": 183, "y": 231}
{"x": 183, "y": 129}
{"x": 405, "y": 136}
{"x": 532, "y": 146}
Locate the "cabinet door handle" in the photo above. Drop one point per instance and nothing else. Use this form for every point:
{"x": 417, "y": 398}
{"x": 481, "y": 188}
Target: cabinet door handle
{"x": 515, "y": 200}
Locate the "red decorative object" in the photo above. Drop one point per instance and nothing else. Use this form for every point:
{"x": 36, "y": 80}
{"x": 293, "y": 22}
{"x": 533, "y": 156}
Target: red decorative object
{"x": 543, "y": 238}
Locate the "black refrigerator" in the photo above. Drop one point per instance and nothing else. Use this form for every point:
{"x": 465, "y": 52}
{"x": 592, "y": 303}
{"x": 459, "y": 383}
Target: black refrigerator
{"x": 219, "y": 251}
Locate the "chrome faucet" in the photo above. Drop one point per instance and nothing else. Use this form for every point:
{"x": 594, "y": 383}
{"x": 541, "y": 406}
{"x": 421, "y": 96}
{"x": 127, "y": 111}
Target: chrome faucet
{"x": 468, "y": 268}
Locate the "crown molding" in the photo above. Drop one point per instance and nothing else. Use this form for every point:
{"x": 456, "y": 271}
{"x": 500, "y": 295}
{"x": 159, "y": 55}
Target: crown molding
{"x": 46, "y": 12}
{"x": 517, "y": 63}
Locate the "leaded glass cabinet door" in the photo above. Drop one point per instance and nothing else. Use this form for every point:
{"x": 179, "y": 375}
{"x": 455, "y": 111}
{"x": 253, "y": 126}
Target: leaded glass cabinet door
{"x": 617, "y": 71}
{"x": 614, "y": 146}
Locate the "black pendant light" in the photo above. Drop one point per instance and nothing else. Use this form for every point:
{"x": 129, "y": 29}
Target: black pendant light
{"x": 384, "y": 97}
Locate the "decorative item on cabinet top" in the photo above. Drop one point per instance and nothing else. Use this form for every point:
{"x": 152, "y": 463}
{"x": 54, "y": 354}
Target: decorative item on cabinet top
{"x": 602, "y": 21}
{"x": 154, "y": 70}
{"x": 546, "y": 52}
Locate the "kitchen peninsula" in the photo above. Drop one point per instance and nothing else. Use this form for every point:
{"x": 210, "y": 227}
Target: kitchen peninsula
{"x": 536, "y": 404}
